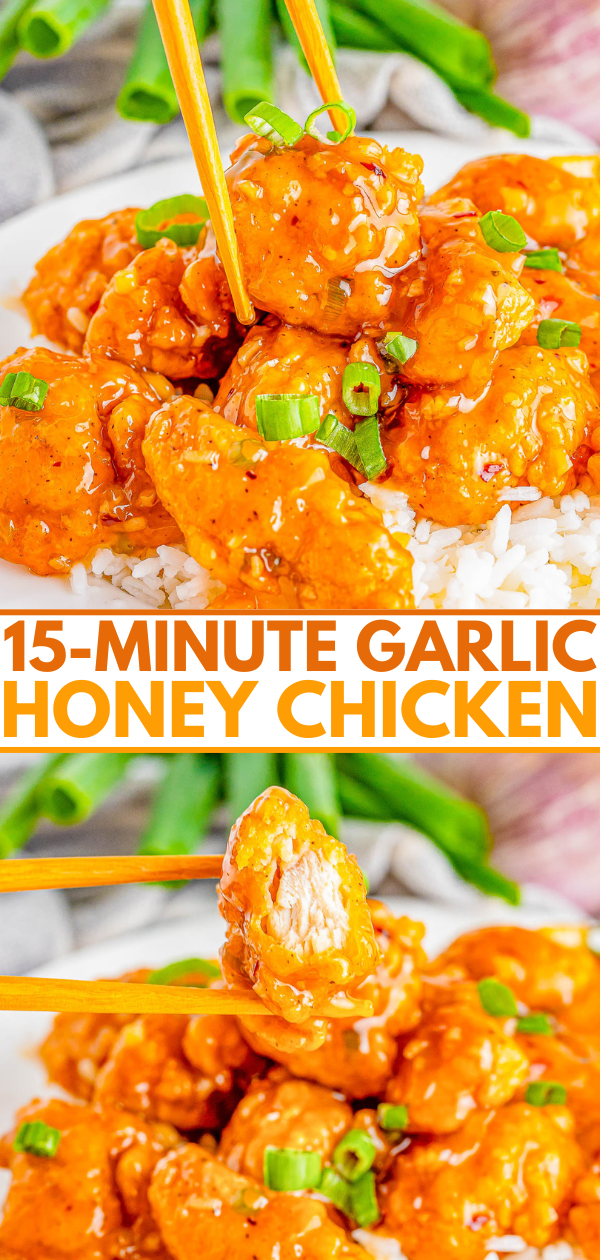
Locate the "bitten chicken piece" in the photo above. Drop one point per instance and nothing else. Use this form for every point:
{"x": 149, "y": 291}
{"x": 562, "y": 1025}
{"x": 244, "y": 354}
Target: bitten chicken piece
{"x": 283, "y": 1112}
{"x": 505, "y": 1172}
{"x": 554, "y": 205}
{"x": 299, "y": 932}
{"x": 272, "y": 521}
{"x": 459, "y": 1059}
{"x": 454, "y": 452}
{"x": 323, "y": 228}
{"x": 70, "y": 279}
{"x": 358, "y": 1055}
{"x": 204, "y": 1209}
{"x": 89, "y": 1200}
{"x": 171, "y": 311}
{"x": 72, "y": 475}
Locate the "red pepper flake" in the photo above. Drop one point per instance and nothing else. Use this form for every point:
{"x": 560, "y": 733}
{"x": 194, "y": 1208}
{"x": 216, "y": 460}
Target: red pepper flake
{"x": 371, "y": 166}
{"x": 478, "y": 1222}
{"x": 490, "y": 470}
{"x": 293, "y": 220}
{"x": 250, "y": 474}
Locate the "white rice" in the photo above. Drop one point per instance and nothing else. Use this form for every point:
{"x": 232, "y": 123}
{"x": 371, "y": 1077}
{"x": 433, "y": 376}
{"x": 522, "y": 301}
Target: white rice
{"x": 546, "y": 554}
{"x": 383, "y": 1248}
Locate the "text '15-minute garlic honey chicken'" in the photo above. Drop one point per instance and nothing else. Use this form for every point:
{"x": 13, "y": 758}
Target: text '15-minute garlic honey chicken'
{"x": 387, "y": 1107}
{"x": 440, "y": 354}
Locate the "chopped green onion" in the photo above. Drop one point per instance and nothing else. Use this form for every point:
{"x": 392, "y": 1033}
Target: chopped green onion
{"x": 23, "y": 391}
{"x": 36, "y": 1138}
{"x": 502, "y": 232}
{"x": 21, "y": 808}
{"x": 496, "y": 998}
{"x": 11, "y": 13}
{"x": 396, "y": 346}
{"x": 271, "y": 123}
{"x": 335, "y": 1188}
{"x": 354, "y": 1154}
{"x": 148, "y": 223}
{"x": 554, "y": 333}
{"x": 392, "y": 1117}
{"x": 287, "y": 1170}
{"x": 148, "y": 94}
{"x": 543, "y": 259}
{"x": 50, "y": 27}
{"x": 77, "y": 786}
{"x": 535, "y": 1023}
{"x": 333, "y": 434}
{"x": 246, "y": 55}
{"x": 539, "y": 1093}
{"x": 283, "y": 416}
{"x": 368, "y": 441}
{"x": 185, "y": 967}
{"x": 361, "y": 387}
{"x": 363, "y": 1201}
{"x": 343, "y": 108}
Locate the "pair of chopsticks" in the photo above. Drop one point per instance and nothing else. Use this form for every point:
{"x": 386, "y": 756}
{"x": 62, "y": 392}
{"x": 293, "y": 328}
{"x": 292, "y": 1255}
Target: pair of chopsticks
{"x": 33, "y": 993}
{"x": 181, "y": 46}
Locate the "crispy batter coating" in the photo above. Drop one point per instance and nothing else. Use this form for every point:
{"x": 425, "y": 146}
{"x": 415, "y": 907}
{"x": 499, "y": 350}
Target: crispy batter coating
{"x": 70, "y": 279}
{"x": 283, "y": 1112}
{"x": 358, "y": 1055}
{"x": 505, "y": 1172}
{"x": 274, "y": 520}
{"x": 453, "y": 451}
{"x": 572, "y": 1060}
{"x": 556, "y": 201}
{"x": 171, "y": 311}
{"x": 90, "y": 1201}
{"x": 73, "y": 476}
{"x": 323, "y": 228}
{"x": 299, "y": 932}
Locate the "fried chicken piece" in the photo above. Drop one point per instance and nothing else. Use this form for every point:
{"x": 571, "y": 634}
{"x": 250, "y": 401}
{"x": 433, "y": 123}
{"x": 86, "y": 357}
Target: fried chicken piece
{"x": 453, "y": 452}
{"x": 76, "y": 1048}
{"x": 510, "y": 1171}
{"x": 322, "y": 229}
{"x": 283, "y": 1112}
{"x": 70, "y": 279}
{"x": 90, "y": 1200}
{"x": 275, "y": 520}
{"x": 358, "y": 1055}
{"x": 299, "y": 932}
{"x": 584, "y": 1217}
{"x": 203, "y": 1208}
{"x": 171, "y": 311}
{"x": 458, "y": 1059}
{"x": 73, "y": 476}
{"x": 572, "y": 1060}
{"x": 556, "y": 201}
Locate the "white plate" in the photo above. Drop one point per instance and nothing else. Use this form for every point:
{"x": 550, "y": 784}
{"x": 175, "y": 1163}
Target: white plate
{"x": 26, "y": 237}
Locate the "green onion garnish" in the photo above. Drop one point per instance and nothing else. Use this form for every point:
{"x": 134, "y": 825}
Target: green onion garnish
{"x": 496, "y": 998}
{"x": 23, "y": 391}
{"x": 392, "y": 1117}
{"x": 361, "y": 387}
{"x": 396, "y": 346}
{"x": 335, "y": 1188}
{"x": 554, "y": 333}
{"x": 148, "y": 223}
{"x": 186, "y": 966}
{"x": 333, "y": 434}
{"x": 36, "y": 1138}
{"x": 313, "y": 131}
{"x": 502, "y": 232}
{"x": 368, "y": 441}
{"x": 363, "y": 1201}
{"x": 354, "y": 1154}
{"x": 270, "y": 122}
{"x": 535, "y": 1023}
{"x": 283, "y": 416}
{"x": 285, "y": 1169}
{"x": 539, "y": 1093}
{"x": 544, "y": 259}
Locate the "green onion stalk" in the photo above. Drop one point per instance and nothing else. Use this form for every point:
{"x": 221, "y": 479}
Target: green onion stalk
{"x": 246, "y": 55}
{"x": 50, "y": 27}
{"x": 355, "y": 30}
{"x": 246, "y": 776}
{"x": 311, "y": 777}
{"x": 148, "y": 94}
{"x": 183, "y": 805}
{"x": 78, "y": 785}
{"x": 11, "y": 14}
{"x": 324, "y": 8}
{"x": 21, "y": 809}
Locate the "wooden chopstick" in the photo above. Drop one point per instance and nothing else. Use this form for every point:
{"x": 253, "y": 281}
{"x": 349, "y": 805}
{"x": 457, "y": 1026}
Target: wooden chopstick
{"x": 308, "y": 28}
{"x": 22, "y": 874}
{"x": 181, "y": 46}
{"x": 117, "y": 997}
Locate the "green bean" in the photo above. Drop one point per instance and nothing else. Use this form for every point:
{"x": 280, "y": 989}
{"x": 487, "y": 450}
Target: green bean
{"x": 77, "y": 786}
{"x": 311, "y": 776}
{"x": 354, "y": 30}
{"x": 460, "y": 54}
{"x": 50, "y": 27}
{"x": 10, "y": 16}
{"x": 183, "y": 805}
{"x": 495, "y": 110}
{"x": 148, "y": 94}
{"x": 20, "y": 810}
{"x": 359, "y": 801}
{"x": 246, "y": 54}
{"x": 246, "y": 776}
